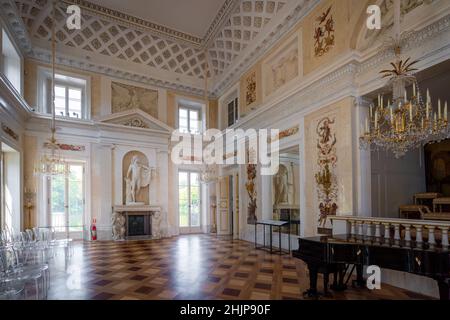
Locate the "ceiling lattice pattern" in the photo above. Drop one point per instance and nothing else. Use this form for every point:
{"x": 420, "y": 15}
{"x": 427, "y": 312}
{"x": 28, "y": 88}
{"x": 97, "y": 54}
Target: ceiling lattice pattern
{"x": 112, "y": 39}
{"x": 243, "y": 26}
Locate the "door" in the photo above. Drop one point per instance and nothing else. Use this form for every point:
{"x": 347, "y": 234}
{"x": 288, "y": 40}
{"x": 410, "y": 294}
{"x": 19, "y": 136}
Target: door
{"x": 67, "y": 202}
{"x": 223, "y": 206}
{"x": 189, "y": 205}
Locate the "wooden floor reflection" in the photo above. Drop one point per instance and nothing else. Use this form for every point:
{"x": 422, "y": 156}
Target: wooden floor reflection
{"x": 188, "y": 267}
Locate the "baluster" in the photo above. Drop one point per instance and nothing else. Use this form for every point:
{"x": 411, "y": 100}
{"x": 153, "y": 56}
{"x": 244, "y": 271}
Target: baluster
{"x": 352, "y": 228}
{"x": 397, "y": 231}
{"x": 444, "y": 236}
{"x": 387, "y": 234}
{"x": 360, "y": 228}
{"x": 369, "y": 229}
{"x": 407, "y": 232}
{"x": 377, "y": 230}
{"x": 418, "y": 233}
{"x": 431, "y": 239}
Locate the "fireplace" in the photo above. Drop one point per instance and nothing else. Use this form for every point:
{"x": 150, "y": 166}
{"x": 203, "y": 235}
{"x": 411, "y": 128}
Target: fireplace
{"x": 138, "y": 225}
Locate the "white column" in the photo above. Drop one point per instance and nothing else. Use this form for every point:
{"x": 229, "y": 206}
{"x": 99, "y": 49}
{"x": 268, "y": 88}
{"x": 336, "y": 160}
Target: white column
{"x": 362, "y": 171}
{"x": 162, "y": 183}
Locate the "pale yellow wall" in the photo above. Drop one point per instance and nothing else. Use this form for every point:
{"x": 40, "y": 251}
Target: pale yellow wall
{"x": 349, "y": 20}
{"x": 31, "y": 83}
{"x": 30, "y": 181}
{"x": 342, "y": 113}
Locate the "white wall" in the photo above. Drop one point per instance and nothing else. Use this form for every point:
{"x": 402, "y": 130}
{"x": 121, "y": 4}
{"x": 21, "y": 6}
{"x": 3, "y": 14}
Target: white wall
{"x": 12, "y": 190}
{"x": 11, "y": 62}
{"x": 394, "y": 181}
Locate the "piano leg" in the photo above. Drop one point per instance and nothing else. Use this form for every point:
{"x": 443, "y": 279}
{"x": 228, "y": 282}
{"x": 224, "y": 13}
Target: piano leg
{"x": 359, "y": 276}
{"x": 338, "y": 282}
{"x": 313, "y": 272}
{"x": 444, "y": 289}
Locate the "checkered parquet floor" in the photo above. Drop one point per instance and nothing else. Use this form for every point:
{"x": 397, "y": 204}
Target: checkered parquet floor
{"x": 188, "y": 267}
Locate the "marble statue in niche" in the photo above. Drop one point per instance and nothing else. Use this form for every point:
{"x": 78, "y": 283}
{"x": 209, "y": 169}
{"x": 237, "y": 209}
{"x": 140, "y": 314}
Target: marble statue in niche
{"x": 126, "y": 97}
{"x": 283, "y": 186}
{"x": 138, "y": 176}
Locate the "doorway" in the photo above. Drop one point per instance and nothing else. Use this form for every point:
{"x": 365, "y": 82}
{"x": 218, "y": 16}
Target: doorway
{"x": 189, "y": 204}
{"x": 67, "y": 202}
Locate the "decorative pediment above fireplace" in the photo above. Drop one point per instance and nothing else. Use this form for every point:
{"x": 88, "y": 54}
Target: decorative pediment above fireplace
{"x": 136, "y": 118}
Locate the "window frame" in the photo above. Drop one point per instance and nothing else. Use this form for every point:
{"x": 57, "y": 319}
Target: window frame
{"x": 44, "y": 92}
{"x": 194, "y": 106}
{"x": 67, "y": 86}
{"x": 235, "y": 106}
{"x": 17, "y": 50}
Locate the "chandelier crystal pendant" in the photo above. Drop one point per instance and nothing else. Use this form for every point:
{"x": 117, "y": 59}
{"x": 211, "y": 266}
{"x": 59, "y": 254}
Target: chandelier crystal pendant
{"x": 52, "y": 163}
{"x": 406, "y": 122}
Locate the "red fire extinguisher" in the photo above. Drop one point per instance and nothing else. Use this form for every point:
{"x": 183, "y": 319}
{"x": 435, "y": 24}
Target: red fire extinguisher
{"x": 94, "y": 230}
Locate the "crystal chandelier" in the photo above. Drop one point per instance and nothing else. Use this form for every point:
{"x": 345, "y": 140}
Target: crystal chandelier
{"x": 406, "y": 122}
{"x": 208, "y": 174}
{"x": 52, "y": 164}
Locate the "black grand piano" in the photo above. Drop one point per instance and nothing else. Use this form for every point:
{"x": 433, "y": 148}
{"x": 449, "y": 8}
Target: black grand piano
{"x": 336, "y": 254}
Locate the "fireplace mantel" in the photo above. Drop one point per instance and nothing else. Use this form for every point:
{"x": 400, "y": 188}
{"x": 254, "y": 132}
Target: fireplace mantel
{"x": 120, "y": 217}
{"x": 137, "y": 208}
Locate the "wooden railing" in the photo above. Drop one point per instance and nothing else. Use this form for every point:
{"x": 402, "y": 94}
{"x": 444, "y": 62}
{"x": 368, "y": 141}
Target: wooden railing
{"x": 420, "y": 231}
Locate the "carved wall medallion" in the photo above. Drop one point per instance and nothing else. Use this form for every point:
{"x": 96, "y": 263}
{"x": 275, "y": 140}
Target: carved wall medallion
{"x": 126, "y": 97}
{"x": 324, "y": 33}
{"x": 326, "y": 179}
{"x": 136, "y": 123}
{"x": 10, "y": 132}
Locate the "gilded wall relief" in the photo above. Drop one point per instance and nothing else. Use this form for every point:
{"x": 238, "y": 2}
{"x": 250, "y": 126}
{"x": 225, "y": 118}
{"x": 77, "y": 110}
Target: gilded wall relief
{"x": 324, "y": 33}
{"x": 125, "y": 97}
{"x": 66, "y": 147}
{"x": 284, "y": 134}
{"x": 250, "y": 89}
{"x": 282, "y": 66}
{"x": 250, "y": 186}
{"x": 326, "y": 179}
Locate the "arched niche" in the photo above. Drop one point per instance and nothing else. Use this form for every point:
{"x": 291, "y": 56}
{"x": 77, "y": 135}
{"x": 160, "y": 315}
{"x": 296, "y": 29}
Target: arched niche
{"x": 143, "y": 195}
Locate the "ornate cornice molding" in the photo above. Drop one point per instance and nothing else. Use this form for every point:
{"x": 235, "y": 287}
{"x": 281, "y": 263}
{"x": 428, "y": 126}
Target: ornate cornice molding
{"x": 44, "y": 55}
{"x": 16, "y": 25}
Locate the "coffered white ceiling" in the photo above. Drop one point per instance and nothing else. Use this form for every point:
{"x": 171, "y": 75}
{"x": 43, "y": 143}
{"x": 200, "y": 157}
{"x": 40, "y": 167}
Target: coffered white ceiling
{"x": 192, "y": 17}
{"x": 160, "y": 42}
